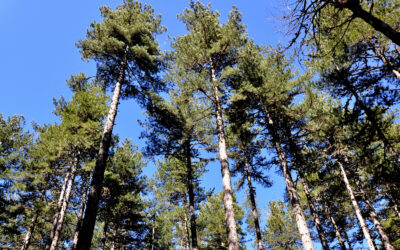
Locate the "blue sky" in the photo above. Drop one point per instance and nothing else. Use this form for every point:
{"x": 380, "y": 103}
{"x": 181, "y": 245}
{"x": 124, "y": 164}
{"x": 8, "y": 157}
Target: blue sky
{"x": 38, "y": 54}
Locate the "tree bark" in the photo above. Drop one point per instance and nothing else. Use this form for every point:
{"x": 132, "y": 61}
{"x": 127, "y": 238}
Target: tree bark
{"x": 193, "y": 229}
{"x": 59, "y": 205}
{"x": 293, "y": 196}
{"x": 253, "y": 204}
{"x": 357, "y": 209}
{"x": 233, "y": 239}
{"x": 314, "y": 212}
{"x": 375, "y": 218}
{"x": 80, "y": 214}
{"x": 335, "y": 226}
{"x": 89, "y": 220}
{"x": 379, "y": 25}
{"x": 28, "y": 236}
{"x": 64, "y": 205}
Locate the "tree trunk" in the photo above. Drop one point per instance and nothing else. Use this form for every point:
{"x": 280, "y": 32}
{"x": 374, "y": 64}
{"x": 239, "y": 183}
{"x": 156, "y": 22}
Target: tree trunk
{"x": 253, "y": 204}
{"x": 355, "y": 7}
{"x": 193, "y": 229}
{"x": 89, "y": 220}
{"x": 375, "y": 218}
{"x": 80, "y": 214}
{"x": 28, "y": 236}
{"x": 59, "y": 205}
{"x": 357, "y": 209}
{"x": 64, "y": 205}
{"x": 233, "y": 239}
{"x": 293, "y": 196}
{"x": 314, "y": 212}
{"x": 335, "y": 226}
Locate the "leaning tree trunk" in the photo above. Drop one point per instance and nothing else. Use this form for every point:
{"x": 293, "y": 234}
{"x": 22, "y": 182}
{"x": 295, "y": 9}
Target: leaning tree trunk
{"x": 233, "y": 239}
{"x": 379, "y": 25}
{"x": 193, "y": 229}
{"x": 89, "y": 220}
{"x": 314, "y": 212}
{"x": 253, "y": 204}
{"x": 357, "y": 209}
{"x": 59, "y": 205}
{"x": 28, "y": 236}
{"x": 375, "y": 218}
{"x": 64, "y": 206}
{"x": 79, "y": 219}
{"x": 291, "y": 189}
{"x": 335, "y": 226}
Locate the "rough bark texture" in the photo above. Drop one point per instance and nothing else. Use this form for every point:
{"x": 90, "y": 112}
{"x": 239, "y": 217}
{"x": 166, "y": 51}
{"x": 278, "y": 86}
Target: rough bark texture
{"x": 357, "y": 209}
{"x": 375, "y": 218}
{"x": 355, "y": 7}
{"x": 253, "y": 204}
{"x": 80, "y": 215}
{"x": 291, "y": 189}
{"x": 190, "y": 187}
{"x": 233, "y": 239}
{"x": 64, "y": 206}
{"x": 86, "y": 232}
{"x": 314, "y": 212}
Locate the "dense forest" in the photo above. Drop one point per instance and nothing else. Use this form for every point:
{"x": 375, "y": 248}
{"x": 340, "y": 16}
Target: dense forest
{"x": 322, "y": 109}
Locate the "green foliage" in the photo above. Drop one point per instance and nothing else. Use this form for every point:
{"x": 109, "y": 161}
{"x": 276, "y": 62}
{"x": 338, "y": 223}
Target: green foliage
{"x": 213, "y": 233}
{"x": 281, "y": 231}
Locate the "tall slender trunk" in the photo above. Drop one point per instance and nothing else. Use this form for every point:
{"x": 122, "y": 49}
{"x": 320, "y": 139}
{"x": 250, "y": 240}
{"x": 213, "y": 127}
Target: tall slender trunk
{"x": 357, "y": 209}
{"x": 79, "y": 218}
{"x": 58, "y": 208}
{"x": 253, "y": 204}
{"x": 379, "y": 25}
{"x": 313, "y": 210}
{"x": 64, "y": 205}
{"x": 291, "y": 189}
{"x": 28, "y": 236}
{"x": 375, "y": 218}
{"x": 193, "y": 229}
{"x": 335, "y": 226}
{"x": 89, "y": 220}
{"x": 233, "y": 239}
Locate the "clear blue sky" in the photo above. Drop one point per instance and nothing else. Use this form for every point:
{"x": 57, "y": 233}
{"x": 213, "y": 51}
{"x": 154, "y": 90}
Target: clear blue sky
{"x": 38, "y": 54}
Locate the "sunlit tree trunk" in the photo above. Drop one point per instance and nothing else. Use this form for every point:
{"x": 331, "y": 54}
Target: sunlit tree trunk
{"x": 291, "y": 189}
{"x": 335, "y": 226}
{"x": 357, "y": 209}
{"x": 80, "y": 214}
{"x": 233, "y": 240}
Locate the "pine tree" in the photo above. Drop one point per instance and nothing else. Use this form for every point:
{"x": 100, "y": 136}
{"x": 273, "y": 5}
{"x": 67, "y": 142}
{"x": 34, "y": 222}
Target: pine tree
{"x": 281, "y": 231}
{"x": 127, "y": 54}
{"x": 205, "y": 56}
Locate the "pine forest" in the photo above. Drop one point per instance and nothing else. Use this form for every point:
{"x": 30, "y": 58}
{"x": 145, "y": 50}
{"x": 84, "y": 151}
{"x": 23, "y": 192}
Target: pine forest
{"x": 222, "y": 119}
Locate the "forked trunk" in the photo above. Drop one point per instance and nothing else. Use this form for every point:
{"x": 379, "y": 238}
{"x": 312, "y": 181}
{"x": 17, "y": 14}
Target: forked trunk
{"x": 357, "y": 209}
{"x": 291, "y": 189}
{"x": 253, "y": 204}
{"x": 193, "y": 229}
{"x": 64, "y": 206}
{"x": 80, "y": 214}
{"x": 375, "y": 218}
{"x": 233, "y": 239}
{"x": 89, "y": 220}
